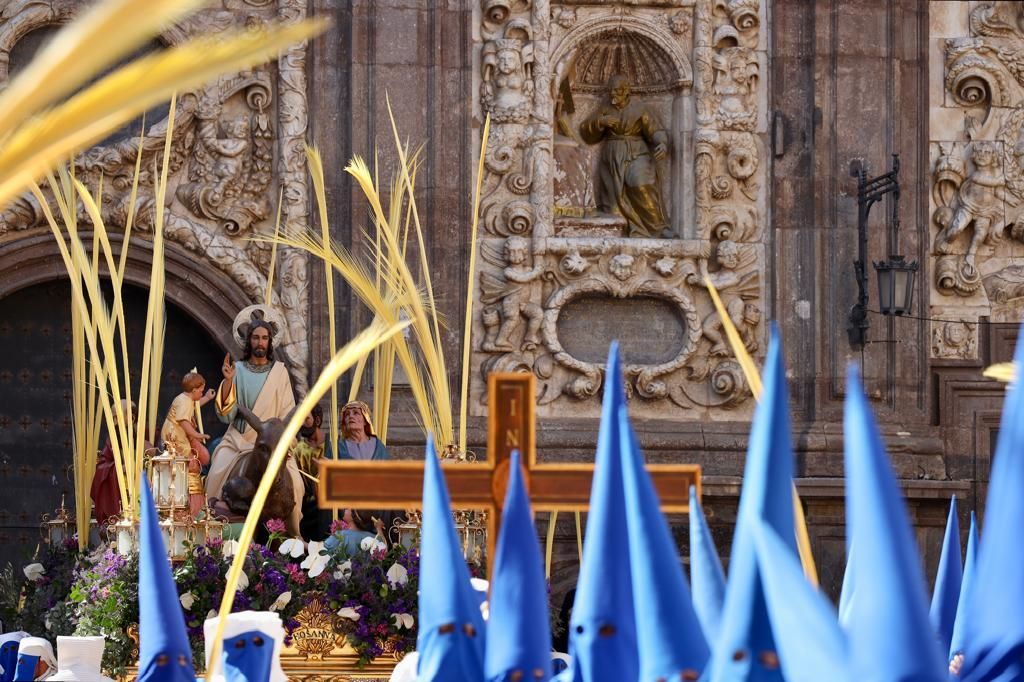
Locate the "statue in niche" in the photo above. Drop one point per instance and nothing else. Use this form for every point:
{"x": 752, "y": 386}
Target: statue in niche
{"x": 506, "y": 90}
{"x": 627, "y": 177}
{"x": 736, "y": 291}
{"x": 980, "y": 201}
{"x": 515, "y": 292}
{"x": 573, "y": 191}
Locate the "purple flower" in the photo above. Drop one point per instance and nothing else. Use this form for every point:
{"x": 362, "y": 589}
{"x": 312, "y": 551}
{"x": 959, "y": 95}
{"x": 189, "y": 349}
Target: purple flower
{"x": 275, "y": 526}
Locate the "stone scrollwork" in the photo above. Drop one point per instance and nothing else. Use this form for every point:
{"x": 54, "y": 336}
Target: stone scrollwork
{"x": 236, "y": 142}
{"x": 567, "y": 260}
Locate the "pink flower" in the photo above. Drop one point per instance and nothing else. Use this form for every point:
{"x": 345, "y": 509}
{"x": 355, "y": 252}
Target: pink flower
{"x": 275, "y": 526}
{"x": 337, "y": 525}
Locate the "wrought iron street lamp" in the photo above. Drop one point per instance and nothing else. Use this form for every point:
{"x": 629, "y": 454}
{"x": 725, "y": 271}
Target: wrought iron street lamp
{"x": 895, "y": 275}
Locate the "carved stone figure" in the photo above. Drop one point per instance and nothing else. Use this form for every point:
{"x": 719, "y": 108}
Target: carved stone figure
{"x": 735, "y": 289}
{"x": 514, "y": 291}
{"x": 1006, "y": 284}
{"x": 979, "y": 202}
{"x": 736, "y": 73}
{"x": 506, "y": 90}
{"x": 221, "y": 178}
{"x": 627, "y": 178}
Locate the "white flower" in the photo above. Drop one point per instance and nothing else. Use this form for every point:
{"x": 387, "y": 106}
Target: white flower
{"x": 344, "y": 571}
{"x": 379, "y": 545}
{"x": 281, "y": 601}
{"x": 350, "y": 613}
{"x": 229, "y": 548}
{"x": 34, "y": 572}
{"x": 293, "y": 546}
{"x": 367, "y": 544}
{"x": 187, "y": 600}
{"x": 211, "y": 614}
{"x": 315, "y": 562}
{"x": 480, "y": 585}
{"x": 243, "y": 581}
{"x": 402, "y": 620}
{"x": 398, "y": 575}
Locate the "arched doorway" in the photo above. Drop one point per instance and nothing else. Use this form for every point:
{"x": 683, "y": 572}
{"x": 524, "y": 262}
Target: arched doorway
{"x": 35, "y": 381}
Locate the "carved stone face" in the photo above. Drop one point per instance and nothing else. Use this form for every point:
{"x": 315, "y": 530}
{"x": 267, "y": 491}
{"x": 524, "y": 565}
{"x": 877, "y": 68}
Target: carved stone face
{"x": 956, "y": 334}
{"x": 728, "y": 255}
{"x": 621, "y": 266}
{"x": 619, "y": 92}
{"x": 508, "y": 61}
{"x": 983, "y": 155}
{"x": 751, "y": 314}
{"x": 515, "y": 250}
{"x": 238, "y": 128}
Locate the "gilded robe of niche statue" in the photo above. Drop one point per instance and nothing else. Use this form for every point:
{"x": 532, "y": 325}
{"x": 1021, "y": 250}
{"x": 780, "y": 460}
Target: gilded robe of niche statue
{"x": 627, "y": 177}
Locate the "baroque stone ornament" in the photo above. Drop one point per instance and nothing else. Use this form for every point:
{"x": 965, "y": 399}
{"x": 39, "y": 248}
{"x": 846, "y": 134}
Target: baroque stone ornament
{"x": 237, "y": 142}
{"x": 628, "y": 172}
{"x": 954, "y": 340}
{"x": 977, "y": 195}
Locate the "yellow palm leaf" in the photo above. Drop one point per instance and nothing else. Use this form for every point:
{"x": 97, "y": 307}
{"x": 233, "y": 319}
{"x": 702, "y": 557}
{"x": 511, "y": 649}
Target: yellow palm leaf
{"x": 84, "y": 119}
{"x": 803, "y": 538}
{"x": 1003, "y": 371}
{"x": 102, "y": 35}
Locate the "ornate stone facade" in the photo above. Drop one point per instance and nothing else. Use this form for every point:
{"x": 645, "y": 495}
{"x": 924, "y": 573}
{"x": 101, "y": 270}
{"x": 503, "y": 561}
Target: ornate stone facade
{"x": 977, "y": 182}
{"x": 625, "y": 165}
{"x": 237, "y": 143}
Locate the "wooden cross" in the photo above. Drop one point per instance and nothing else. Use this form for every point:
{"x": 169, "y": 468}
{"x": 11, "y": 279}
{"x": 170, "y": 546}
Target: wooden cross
{"x": 511, "y": 426}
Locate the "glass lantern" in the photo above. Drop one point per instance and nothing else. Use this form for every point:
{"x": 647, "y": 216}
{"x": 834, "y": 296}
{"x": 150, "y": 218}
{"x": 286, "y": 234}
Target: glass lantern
{"x": 896, "y": 285}
{"x": 409, "y": 529}
{"x": 168, "y": 474}
{"x": 126, "y": 532}
{"x": 57, "y": 529}
{"x": 175, "y": 533}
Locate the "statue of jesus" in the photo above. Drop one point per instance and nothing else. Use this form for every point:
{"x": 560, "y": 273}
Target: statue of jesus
{"x": 261, "y": 384}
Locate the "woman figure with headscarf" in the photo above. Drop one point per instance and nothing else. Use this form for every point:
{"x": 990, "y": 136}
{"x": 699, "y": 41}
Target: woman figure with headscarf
{"x": 358, "y": 440}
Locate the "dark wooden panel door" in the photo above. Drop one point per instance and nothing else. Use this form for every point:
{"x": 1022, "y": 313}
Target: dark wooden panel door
{"x": 35, "y": 399}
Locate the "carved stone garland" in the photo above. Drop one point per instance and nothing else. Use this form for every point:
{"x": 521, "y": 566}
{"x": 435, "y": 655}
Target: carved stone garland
{"x": 977, "y": 196}
{"x": 554, "y": 248}
{"x": 222, "y": 164}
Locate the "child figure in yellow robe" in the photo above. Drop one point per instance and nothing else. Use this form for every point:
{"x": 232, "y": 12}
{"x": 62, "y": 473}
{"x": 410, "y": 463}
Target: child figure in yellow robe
{"x": 181, "y": 430}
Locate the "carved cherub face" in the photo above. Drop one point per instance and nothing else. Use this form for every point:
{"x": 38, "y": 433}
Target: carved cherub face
{"x": 751, "y": 314}
{"x": 983, "y": 155}
{"x": 956, "y": 334}
{"x": 508, "y": 61}
{"x": 728, "y": 255}
{"x": 237, "y": 129}
{"x": 515, "y": 250}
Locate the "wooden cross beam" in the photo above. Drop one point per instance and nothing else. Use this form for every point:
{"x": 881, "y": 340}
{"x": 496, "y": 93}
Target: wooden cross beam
{"x": 481, "y": 486}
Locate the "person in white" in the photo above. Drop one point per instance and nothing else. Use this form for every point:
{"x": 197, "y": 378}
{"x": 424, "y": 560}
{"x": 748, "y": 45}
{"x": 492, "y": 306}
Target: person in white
{"x": 265, "y": 624}
{"x": 80, "y": 659}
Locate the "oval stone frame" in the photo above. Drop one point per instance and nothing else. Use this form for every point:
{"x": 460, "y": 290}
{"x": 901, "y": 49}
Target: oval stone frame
{"x": 647, "y": 375}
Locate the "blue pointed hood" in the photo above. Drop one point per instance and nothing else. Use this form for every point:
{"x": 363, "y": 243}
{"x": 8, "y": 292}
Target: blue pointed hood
{"x": 670, "y": 639}
{"x": 959, "y": 640}
{"x": 947, "y": 581}
{"x": 745, "y": 647}
{"x": 848, "y": 590}
{"x": 602, "y": 630}
{"x": 165, "y": 654}
{"x": 811, "y": 645}
{"x": 248, "y": 657}
{"x": 519, "y": 628}
{"x": 9, "y": 643}
{"x": 451, "y": 629}
{"x": 891, "y": 637}
{"x": 995, "y": 628}
{"x": 707, "y": 579}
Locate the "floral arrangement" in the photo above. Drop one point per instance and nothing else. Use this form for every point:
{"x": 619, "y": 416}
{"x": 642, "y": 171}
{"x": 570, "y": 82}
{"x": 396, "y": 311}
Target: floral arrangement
{"x": 367, "y": 589}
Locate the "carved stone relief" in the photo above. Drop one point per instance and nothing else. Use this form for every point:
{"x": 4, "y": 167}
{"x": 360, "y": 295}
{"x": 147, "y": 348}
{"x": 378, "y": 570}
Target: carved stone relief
{"x": 624, "y": 167}
{"x": 977, "y": 152}
{"x": 954, "y": 340}
{"x": 236, "y": 143}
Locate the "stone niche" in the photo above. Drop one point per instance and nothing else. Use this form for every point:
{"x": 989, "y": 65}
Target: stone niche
{"x": 976, "y": 127}
{"x": 625, "y": 165}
